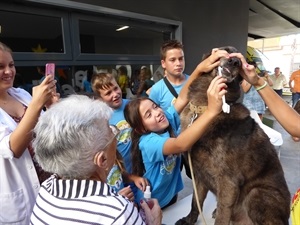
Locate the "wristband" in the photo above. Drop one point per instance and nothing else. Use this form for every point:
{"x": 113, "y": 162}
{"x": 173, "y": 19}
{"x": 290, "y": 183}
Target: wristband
{"x": 262, "y": 86}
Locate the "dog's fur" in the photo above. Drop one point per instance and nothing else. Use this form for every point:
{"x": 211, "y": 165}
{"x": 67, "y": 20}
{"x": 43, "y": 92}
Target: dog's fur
{"x": 235, "y": 160}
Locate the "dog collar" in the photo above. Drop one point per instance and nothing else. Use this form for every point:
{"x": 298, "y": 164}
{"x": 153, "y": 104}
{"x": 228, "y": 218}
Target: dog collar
{"x": 197, "y": 109}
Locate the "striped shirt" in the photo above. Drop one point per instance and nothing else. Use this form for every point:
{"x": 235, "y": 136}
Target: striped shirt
{"x": 82, "y": 202}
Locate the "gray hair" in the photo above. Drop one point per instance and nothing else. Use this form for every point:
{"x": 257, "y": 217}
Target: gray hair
{"x": 69, "y": 134}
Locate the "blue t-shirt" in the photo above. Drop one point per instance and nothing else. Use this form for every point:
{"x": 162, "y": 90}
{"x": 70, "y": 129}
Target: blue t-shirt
{"x": 162, "y": 171}
{"x": 115, "y": 179}
{"x": 161, "y": 94}
{"x": 124, "y": 138}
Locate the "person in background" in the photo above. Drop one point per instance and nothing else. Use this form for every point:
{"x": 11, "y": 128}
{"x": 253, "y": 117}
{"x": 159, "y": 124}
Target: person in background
{"x": 279, "y": 81}
{"x": 157, "y": 145}
{"x": 123, "y": 80}
{"x": 86, "y": 84}
{"x": 135, "y": 81}
{"x": 173, "y": 63}
{"x": 19, "y": 112}
{"x": 294, "y": 84}
{"x": 77, "y": 193}
{"x": 284, "y": 114}
{"x": 145, "y": 81}
{"x": 251, "y": 99}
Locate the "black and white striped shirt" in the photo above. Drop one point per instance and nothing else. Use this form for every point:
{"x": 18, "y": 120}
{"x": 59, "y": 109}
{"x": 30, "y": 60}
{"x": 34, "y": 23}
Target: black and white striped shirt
{"x": 82, "y": 202}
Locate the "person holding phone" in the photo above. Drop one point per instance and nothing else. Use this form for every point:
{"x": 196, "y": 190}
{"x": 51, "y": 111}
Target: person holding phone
{"x": 19, "y": 112}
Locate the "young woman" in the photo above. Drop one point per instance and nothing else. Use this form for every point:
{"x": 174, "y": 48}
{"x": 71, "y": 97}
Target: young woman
{"x": 20, "y": 177}
{"x": 155, "y": 147}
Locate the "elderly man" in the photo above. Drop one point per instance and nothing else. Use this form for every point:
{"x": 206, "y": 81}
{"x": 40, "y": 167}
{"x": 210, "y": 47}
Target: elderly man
{"x": 74, "y": 141}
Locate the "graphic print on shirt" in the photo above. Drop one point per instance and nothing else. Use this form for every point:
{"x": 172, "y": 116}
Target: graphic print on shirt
{"x": 125, "y": 131}
{"x": 114, "y": 178}
{"x": 173, "y": 101}
{"x": 168, "y": 165}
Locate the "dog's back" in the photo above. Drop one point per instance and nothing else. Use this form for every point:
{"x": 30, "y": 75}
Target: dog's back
{"x": 236, "y": 161}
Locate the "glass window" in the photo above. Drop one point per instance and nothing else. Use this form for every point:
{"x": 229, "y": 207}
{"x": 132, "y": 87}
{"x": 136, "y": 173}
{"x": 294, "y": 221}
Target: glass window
{"x": 26, "y": 32}
{"x": 103, "y": 38}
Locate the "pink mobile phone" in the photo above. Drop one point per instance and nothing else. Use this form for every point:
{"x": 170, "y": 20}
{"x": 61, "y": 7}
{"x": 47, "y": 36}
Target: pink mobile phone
{"x": 50, "y": 68}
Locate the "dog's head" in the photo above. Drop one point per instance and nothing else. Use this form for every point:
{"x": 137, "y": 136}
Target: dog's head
{"x": 230, "y": 67}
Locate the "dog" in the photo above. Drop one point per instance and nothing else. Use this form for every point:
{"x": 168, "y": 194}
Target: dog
{"x": 234, "y": 158}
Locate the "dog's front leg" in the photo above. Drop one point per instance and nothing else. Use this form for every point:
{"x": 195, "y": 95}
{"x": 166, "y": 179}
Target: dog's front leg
{"x": 192, "y": 217}
{"x": 227, "y": 195}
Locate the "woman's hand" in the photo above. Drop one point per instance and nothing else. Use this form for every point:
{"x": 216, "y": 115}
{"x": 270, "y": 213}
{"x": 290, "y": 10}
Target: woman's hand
{"x": 248, "y": 71}
{"x": 215, "y": 91}
{"x": 153, "y": 215}
{"x": 127, "y": 192}
{"x": 212, "y": 61}
{"x": 42, "y": 93}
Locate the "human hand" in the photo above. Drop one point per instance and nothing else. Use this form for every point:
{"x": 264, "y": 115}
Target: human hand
{"x": 153, "y": 215}
{"x": 140, "y": 182}
{"x": 43, "y": 92}
{"x": 215, "y": 91}
{"x": 127, "y": 192}
{"x": 248, "y": 71}
{"x": 212, "y": 61}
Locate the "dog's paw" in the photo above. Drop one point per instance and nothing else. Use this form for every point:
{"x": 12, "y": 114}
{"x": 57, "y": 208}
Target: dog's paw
{"x": 185, "y": 221}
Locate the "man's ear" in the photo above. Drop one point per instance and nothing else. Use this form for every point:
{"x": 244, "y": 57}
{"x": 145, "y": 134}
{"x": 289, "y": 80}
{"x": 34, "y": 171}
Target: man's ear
{"x": 101, "y": 159}
{"x": 162, "y": 62}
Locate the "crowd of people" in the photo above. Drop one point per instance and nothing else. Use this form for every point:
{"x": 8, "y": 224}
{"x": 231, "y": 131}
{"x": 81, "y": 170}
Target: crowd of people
{"x": 83, "y": 160}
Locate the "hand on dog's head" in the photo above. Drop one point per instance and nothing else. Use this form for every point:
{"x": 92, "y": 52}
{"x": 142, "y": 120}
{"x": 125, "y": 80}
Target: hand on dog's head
{"x": 231, "y": 71}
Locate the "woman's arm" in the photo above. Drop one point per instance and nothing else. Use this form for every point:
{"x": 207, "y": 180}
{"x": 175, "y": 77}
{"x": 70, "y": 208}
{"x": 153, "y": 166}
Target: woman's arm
{"x": 188, "y": 137}
{"x": 22, "y": 135}
{"x": 284, "y": 114}
{"x": 245, "y": 86}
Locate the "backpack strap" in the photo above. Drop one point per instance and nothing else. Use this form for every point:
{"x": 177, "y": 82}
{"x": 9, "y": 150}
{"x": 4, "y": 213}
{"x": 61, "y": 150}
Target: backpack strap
{"x": 170, "y": 87}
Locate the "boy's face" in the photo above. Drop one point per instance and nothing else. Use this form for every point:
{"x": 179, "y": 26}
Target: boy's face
{"x": 174, "y": 62}
{"x": 112, "y": 96}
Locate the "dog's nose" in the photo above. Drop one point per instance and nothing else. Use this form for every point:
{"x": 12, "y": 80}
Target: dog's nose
{"x": 236, "y": 62}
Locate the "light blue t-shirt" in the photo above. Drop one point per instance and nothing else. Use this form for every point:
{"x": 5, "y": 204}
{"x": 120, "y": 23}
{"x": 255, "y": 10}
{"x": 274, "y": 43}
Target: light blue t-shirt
{"x": 161, "y": 95}
{"x": 115, "y": 179}
{"x": 162, "y": 171}
{"x": 124, "y": 138}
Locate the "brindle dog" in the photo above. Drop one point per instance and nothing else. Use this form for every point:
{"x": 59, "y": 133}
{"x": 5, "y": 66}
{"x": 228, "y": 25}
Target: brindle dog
{"x": 234, "y": 159}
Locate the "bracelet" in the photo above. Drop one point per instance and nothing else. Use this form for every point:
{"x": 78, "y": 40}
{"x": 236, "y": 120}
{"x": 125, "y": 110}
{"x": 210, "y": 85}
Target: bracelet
{"x": 262, "y": 86}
